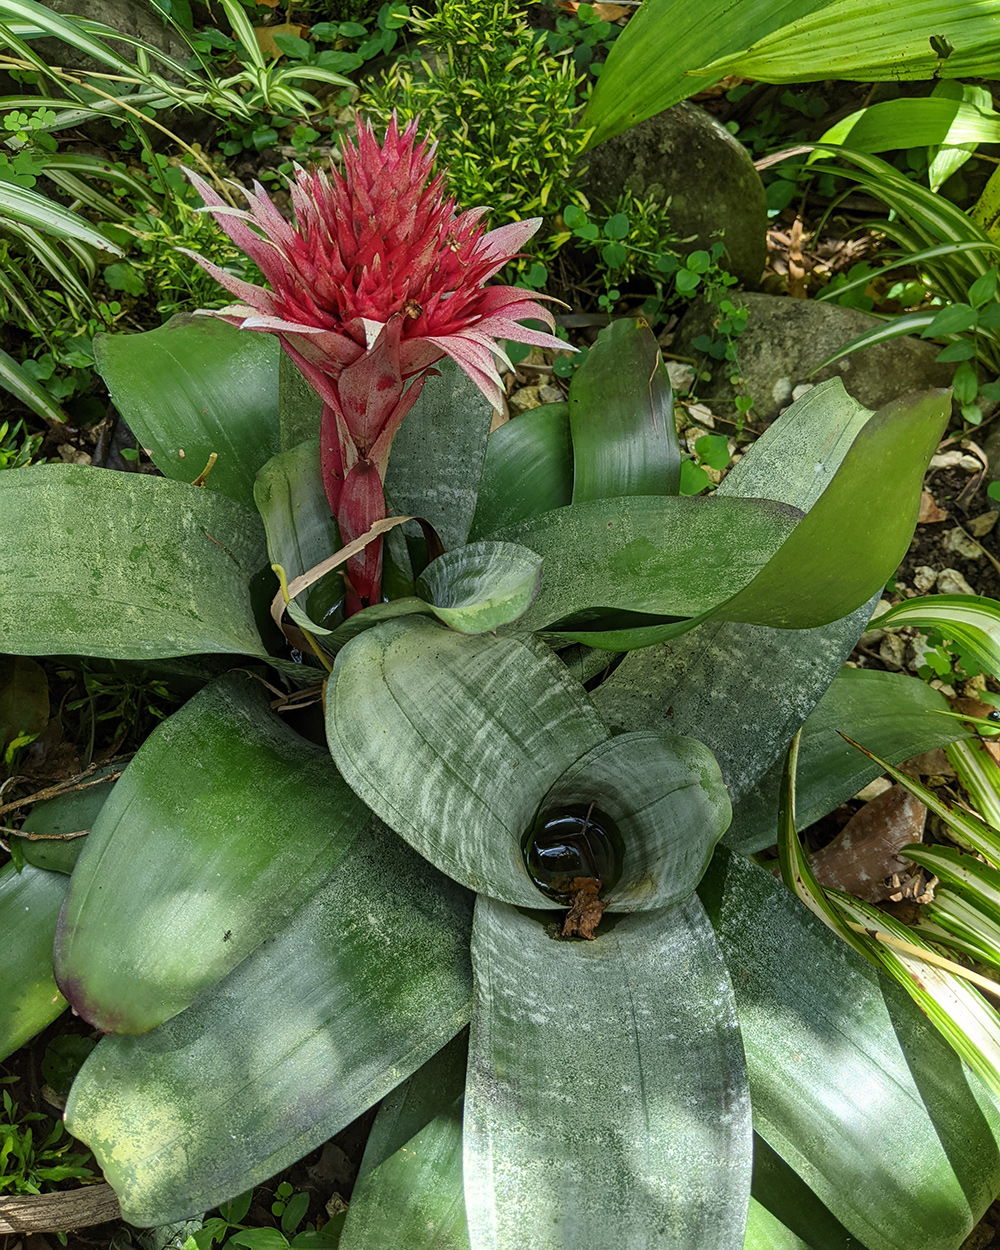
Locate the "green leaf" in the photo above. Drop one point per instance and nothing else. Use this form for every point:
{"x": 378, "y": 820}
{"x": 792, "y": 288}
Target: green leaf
{"x": 124, "y": 276}
{"x": 850, "y": 1084}
{"x": 744, "y": 689}
{"x": 890, "y": 712}
{"x": 972, "y": 622}
{"x": 301, "y": 531}
{"x": 481, "y": 586}
{"x": 560, "y": 1029}
{"x": 29, "y": 999}
{"x": 784, "y": 1212}
{"x": 667, "y": 555}
{"x": 910, "y": 123}
{"x": 409, "y": 1189}
{"x": 40, "y": 212}
{"x": 857, "y": 532}
{"x": 459, "y": 741}
{"x": 873, "y": 41}
{"x": 528, "y": 469}
{"x": 621, "y": 414}
{"x": 437, "y": 456}
{"x": 648, "y": 67}
{"x": 193, "y": 387}
{"x": 67, "y": 813}
{"x": 16, "y": 380}
{"x": 950, "y": 320}
{"x": 124, "y": 565}
{"x": 454, "y": 740}
{"x": 223, "y": 825}
{"x": 367, "y": 982}
{"x": 259, "y": 1239}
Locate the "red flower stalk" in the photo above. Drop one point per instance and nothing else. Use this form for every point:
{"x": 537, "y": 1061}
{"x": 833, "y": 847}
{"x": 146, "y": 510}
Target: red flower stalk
{"x": 378, "y": 279}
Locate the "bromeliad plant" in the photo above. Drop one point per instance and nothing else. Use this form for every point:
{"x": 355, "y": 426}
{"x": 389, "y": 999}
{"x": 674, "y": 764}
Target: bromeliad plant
{"x": 574, "y": 679}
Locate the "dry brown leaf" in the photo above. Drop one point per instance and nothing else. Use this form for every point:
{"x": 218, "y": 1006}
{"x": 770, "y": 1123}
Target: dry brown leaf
{"x": 864, "y": 855}
{"x": 265, "y": 36}
{"x": 929, "y": 511}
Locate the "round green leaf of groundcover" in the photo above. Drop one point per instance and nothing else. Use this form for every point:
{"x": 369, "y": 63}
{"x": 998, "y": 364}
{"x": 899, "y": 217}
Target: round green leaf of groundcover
{"x": 123, "y": 565}
{"x": 458, "y": 742}
{"x": 606, "y": 1102}
{"x": 894, "y": 715}
{"x": 72, "y": 812}
{"x": 479, "y": 587}
{"x": 528, "y": 469}
{"x": 409, "y": 1187}
{"x": 29, "y": 998}
{"x": 196, "y": 386}
{"x": 222, "y": 826}
{"x": 851, "y": 1085}
{"x": 677, "y": 556}
{"x": 369, "y": 980}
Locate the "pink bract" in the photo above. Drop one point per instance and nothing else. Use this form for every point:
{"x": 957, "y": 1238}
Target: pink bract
{"x": 378, "y": 279}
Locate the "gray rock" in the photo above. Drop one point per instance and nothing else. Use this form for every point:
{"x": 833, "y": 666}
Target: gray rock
{"x": 786, "y": 338}
{"x": 714, "y": 190}
{"x": 951, "y": 582}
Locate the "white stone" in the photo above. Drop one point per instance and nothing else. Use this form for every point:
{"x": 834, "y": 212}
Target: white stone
{"x": 951, "y": 582}
{"x": 961, "y": 544}
{"x": 681, "y": 376}
{"x": 802, "y": 389}
{"x": 924, "y": 578}
{"x": 873, "y": 789}
{"x": 892, "y": 652}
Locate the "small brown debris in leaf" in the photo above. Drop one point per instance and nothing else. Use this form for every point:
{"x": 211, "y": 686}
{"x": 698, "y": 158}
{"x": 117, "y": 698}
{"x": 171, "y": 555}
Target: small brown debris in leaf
{"x": 585, "y": 909}
{"x": 863, "y": 858}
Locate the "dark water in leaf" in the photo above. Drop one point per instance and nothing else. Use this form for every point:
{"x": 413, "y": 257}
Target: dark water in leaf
{"x": 570, "y": 841}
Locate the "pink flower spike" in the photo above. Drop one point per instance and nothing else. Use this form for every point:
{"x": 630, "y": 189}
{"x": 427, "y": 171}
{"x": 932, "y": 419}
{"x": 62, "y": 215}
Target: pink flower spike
{"x": 378, "y": 278}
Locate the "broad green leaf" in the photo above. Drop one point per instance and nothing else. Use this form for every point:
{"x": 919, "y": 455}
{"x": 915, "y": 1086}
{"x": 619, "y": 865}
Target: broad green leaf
{"x": 193, "y": 387}
{"x": 124, "y": 565}
{"x": 910, "y": 123}
{"x": 858, "y": 531}
{"x": 481, "y": 586}
{"x": 409, "y": 1188}
{"x": 672, "y": 556}
{"x": 873, "y": 41}
{"x": 368, "y": 981}
{"x": 797, "y": 456}
{"x": 528, "y": 469}
{"x": 453, "y": 740}
{"x": 437, "y": 456}
{"x": 301, "y": 531}
{"x": 72, "y": 812}
{"x": 553, "y": 1159}
{"x": 650, "y": 64}
{"x": 29, "y": 998}
{"x": 850, "y": 1084}
{"x": 458, "y": 742}
{"x": 743, "y": 690}
{"x": 970, "y": 621}
{"x": 784, "y": 1212}
{"x": 621, "y": 412}
{"x": 894, "y": 714}
{"x": 668, "y": 800}
{"x": 223, "y": 825}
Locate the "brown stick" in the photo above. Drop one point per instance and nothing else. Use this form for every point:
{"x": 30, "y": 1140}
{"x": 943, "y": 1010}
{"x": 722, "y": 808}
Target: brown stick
{"x": 59, "y": 1212}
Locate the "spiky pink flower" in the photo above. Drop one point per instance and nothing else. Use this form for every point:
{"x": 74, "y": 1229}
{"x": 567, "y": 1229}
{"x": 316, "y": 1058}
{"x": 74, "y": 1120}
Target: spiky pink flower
{"x": 378, "y": 279}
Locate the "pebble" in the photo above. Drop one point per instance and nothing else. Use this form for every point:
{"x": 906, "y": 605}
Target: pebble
{"x": 550, "y": 394}
{"x": 946, "y": 690}
{"x": 924, "y": 578}
{"x": 681, "y": 376}
{"x": 892, "y": 652}
{"x": 873, "y": 789}
{"x": 524, "y": 399}
{"x": 802, "y": 389}
{"x": 871, "y": 636}
{"x": 961, "y": 544}
{"x": 916, "y": 653}
{"x": 951, "y": 582}
{"x": 955, "y": 460}
{"x": 983, "y": 524}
